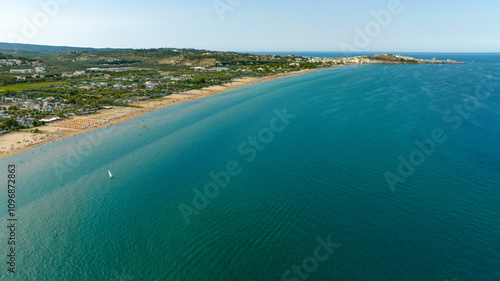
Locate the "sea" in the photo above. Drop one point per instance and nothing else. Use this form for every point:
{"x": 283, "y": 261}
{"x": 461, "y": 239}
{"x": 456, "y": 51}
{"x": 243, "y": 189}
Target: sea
{"x": 359, "y": 173}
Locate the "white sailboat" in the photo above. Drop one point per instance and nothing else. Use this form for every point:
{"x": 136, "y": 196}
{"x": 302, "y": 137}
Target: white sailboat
{"x": 110, "y": 175}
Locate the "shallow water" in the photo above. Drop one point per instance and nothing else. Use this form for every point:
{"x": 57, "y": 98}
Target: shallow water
{"x": 315, "y": 174}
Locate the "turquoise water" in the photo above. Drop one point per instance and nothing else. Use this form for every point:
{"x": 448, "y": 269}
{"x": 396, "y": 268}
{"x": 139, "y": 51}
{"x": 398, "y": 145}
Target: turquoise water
{"x": 316, "y": 175}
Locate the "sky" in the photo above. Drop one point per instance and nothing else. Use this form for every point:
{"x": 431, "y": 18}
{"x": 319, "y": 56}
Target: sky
{"x": 257, "y": 25}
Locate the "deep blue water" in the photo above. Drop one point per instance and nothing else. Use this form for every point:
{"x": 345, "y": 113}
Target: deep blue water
{"x": 315, "y": 173}
{"x": 465, "y": 57}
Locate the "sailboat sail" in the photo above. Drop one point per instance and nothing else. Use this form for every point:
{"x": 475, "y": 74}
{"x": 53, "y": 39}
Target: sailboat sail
{"x": 110, "y": 175}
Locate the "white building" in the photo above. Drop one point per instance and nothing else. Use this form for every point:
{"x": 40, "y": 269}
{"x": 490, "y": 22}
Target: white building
{"x": 49, "y": 120}
{"x": 22, "y": 71}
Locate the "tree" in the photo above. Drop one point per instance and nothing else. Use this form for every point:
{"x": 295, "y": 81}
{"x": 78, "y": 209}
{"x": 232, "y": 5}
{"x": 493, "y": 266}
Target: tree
{"x": 9, "y": 123}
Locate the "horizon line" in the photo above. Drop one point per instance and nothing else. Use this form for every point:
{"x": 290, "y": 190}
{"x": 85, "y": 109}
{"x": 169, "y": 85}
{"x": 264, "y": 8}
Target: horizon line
{"x": 261, "y": 51}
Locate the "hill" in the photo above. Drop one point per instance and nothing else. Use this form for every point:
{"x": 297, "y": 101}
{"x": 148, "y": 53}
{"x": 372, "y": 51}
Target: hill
{"x": 59, "y": 59}
{"x": 16, "y": 48}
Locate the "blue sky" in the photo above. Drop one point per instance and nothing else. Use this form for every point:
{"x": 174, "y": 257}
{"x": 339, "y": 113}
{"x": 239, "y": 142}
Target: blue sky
{"x": 257, "y": 25}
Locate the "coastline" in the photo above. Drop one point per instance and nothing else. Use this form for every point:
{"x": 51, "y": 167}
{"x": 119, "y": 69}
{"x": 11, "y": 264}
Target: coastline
{"x": 54, "y": 132}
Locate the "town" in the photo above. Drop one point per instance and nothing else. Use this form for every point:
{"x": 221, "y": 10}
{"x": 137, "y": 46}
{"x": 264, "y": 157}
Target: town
{"x": 39, "y": 89}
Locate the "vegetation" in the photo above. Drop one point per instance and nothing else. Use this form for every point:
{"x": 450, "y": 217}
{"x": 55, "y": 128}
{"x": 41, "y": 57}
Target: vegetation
{"x": 78, "y": 80}
{"x": 9, "y": 123}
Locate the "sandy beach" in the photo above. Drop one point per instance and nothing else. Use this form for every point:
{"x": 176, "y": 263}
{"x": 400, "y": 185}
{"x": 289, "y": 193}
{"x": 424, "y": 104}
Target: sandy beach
{"x": 15, "y": 142}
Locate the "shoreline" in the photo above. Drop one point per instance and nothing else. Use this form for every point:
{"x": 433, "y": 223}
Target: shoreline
{"x": 52, "y": 132}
